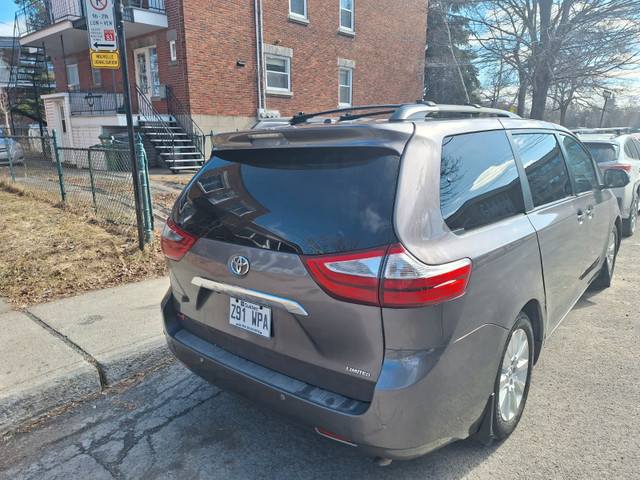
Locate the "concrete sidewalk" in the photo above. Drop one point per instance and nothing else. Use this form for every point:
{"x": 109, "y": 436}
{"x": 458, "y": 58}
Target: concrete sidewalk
{"x": 60, "y": 352}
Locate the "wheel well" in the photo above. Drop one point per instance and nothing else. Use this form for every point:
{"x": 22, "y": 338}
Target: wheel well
{"x": 534, "y": 312}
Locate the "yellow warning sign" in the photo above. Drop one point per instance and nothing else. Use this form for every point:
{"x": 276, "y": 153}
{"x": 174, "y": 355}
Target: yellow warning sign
{"x": 105, "y": 59}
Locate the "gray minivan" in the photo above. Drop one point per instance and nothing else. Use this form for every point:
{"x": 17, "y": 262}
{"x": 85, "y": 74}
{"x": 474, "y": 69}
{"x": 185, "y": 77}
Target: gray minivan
{"x": 387, "y": 284}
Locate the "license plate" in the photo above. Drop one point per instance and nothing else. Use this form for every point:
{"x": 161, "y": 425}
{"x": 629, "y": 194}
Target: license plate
{"x": 251, "y": 317}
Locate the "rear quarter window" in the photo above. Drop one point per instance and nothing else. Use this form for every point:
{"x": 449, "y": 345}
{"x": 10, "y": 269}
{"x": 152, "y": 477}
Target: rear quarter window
{"x": 479, "y": 182}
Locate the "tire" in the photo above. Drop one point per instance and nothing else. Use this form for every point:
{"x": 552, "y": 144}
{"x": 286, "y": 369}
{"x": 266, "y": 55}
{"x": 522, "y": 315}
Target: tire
{"x": 603, "y": 280}
{"x": 514, "y": 377}
{"x": 629, "y": 224}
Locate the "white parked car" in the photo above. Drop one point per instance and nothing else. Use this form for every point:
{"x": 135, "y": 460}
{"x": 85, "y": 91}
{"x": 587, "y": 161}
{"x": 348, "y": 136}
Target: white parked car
{"x": 623, "y": 152}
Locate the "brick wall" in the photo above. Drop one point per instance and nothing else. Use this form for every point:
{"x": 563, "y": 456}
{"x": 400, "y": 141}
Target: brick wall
{"x": 388, "y": 50}
{"x": 212, "y": 37}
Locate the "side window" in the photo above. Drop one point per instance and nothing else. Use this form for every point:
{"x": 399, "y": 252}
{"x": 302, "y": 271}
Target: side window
{"x": 298, "y": 8}
{"x": 479, "y": 182}
{"x": 581, "y": 165}
{"x": 546, "y": 171}
{"x": 345, "y": 86}
{"x": 278, "y": 73}
{"x": 346, "y": 14}
{"x": 634, "y": 147}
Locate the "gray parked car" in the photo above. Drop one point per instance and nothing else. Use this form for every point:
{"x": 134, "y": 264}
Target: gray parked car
{"x": 17, "y": 153}
{"x": 623, "y": 152}
{"x": 388, "y": 284}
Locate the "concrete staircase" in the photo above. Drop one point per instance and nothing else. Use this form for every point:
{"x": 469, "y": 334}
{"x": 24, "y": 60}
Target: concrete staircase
{"x": 174, "y": 146}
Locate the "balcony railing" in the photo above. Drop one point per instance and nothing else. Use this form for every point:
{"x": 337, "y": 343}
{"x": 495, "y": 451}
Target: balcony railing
{"x": 96, "y": 103}
{"x": 151, "y": 5}
{"x": 40, "y": 14}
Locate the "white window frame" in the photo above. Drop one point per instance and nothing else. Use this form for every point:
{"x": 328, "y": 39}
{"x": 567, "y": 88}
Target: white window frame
{"x": 351, "y": 12}
{"x": 172, "y": 50}
{"x": 349, "y": 86}
{"x": 296, "y": 14}
{"x": 70, "y": 81}
{"x": 287, "y": 73}
{"x": 96, "y": 76}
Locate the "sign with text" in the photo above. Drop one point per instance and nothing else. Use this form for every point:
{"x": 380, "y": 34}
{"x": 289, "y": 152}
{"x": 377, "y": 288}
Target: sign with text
{"x": 105, "y": 59}
{"x": 101, "y": 25}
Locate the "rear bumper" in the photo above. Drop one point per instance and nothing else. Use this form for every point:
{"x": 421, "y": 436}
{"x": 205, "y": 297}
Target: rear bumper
{"x": 423, "y": 400}
{"x": 624, "y": 195}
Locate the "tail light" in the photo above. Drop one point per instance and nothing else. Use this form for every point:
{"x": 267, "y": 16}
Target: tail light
{"x": 388, "y": 277}
{"x": 622, "y": 166}
{"x": 409, "y": 283}
{"x": 352, "y": 276}
{"x": 175, "y": 242}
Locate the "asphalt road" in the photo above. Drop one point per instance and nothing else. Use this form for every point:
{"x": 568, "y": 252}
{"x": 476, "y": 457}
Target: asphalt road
{"x": 582, "y": 420}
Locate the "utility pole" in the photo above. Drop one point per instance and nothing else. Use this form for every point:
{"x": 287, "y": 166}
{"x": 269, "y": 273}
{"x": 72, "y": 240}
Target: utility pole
{"x": 607, "y": 94}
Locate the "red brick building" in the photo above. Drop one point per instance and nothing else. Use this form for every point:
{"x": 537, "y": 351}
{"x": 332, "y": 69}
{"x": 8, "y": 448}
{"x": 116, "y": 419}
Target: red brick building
{"x": 228, "y": 63}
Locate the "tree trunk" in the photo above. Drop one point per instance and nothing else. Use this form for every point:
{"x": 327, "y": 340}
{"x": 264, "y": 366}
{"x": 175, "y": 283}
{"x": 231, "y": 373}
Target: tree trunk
{"x": 542, "y": 63}
{"x": 563, "y": 113}
{"x": 522, "y": 96}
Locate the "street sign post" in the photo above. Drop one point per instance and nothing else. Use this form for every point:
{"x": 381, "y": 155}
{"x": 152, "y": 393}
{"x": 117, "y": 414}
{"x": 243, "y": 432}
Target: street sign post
{"x": 101, "y": 25}
{"x": 137, "y": 189}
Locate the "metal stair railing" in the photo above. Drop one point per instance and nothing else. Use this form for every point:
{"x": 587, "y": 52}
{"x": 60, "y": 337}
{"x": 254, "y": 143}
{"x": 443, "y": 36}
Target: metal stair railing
{"x": 29, "y": 75}
{"x": 151, "y": 115}
{"x": 184, "y": 119}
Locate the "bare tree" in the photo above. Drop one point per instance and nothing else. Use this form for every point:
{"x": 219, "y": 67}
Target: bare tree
{"x": 548, "y": 42}
{"x": 5, "y": 107}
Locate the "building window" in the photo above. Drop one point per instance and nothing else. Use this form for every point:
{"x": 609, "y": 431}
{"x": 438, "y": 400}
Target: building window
{"x": 346, "y": 14}
{"x": 278, "y": 73}
{"x": 172, "y": 50}
{"x": 96, "y": 76}
{"x": 147, "y": 73}
{"x": 73, "y": 79}
{"x": 345, "y": 82}
{"x": 298, "y": 8}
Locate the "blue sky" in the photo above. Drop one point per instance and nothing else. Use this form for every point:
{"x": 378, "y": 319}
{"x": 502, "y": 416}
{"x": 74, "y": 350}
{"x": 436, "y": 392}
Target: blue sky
{"x": 7, "y": 14}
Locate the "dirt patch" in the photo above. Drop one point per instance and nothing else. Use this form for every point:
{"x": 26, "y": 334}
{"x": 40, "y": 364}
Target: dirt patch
{"x": 51, "y": 251}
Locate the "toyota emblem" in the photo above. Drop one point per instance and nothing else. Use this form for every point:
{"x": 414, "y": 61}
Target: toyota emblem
{"x": 239, "y": 266}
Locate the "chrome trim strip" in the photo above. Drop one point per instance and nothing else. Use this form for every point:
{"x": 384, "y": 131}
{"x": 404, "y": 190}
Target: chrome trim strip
{"x": 251, "y": 295}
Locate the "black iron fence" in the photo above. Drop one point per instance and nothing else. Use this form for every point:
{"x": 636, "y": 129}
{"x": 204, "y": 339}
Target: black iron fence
{"x": 96, "y": 103}
{"x": 99, "y": 178}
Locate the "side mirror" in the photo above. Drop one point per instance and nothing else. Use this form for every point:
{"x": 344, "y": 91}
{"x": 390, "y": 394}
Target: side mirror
{"x": 615, "y": 178}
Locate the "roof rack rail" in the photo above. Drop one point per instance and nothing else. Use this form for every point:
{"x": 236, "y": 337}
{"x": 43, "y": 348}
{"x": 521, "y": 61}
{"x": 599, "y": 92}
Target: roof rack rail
{"x": 407, "y": 111}
{"x": 421, "y": 111}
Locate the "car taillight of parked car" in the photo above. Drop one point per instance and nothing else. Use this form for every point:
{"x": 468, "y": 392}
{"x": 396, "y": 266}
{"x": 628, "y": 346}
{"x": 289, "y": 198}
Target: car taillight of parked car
{"x": 622, "y": 166}
{"x": 175, "y": 242}
{"x": 388, "y": 277}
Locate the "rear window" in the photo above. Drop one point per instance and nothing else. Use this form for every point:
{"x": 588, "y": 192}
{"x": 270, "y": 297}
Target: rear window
{"x": 603, "y": 152}
{"x": 295, "y": 200}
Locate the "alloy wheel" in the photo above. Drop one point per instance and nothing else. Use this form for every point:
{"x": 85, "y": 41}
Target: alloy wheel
{"x": 513, "y": 375}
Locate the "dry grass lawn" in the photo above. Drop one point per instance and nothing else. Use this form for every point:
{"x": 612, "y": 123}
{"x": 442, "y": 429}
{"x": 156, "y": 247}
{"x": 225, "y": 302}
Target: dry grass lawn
{"x": 49, "y": 251}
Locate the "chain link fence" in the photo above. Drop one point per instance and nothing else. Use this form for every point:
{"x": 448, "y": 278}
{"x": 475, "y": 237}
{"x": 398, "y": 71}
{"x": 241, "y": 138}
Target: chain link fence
{"x": 98, "y": 178}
